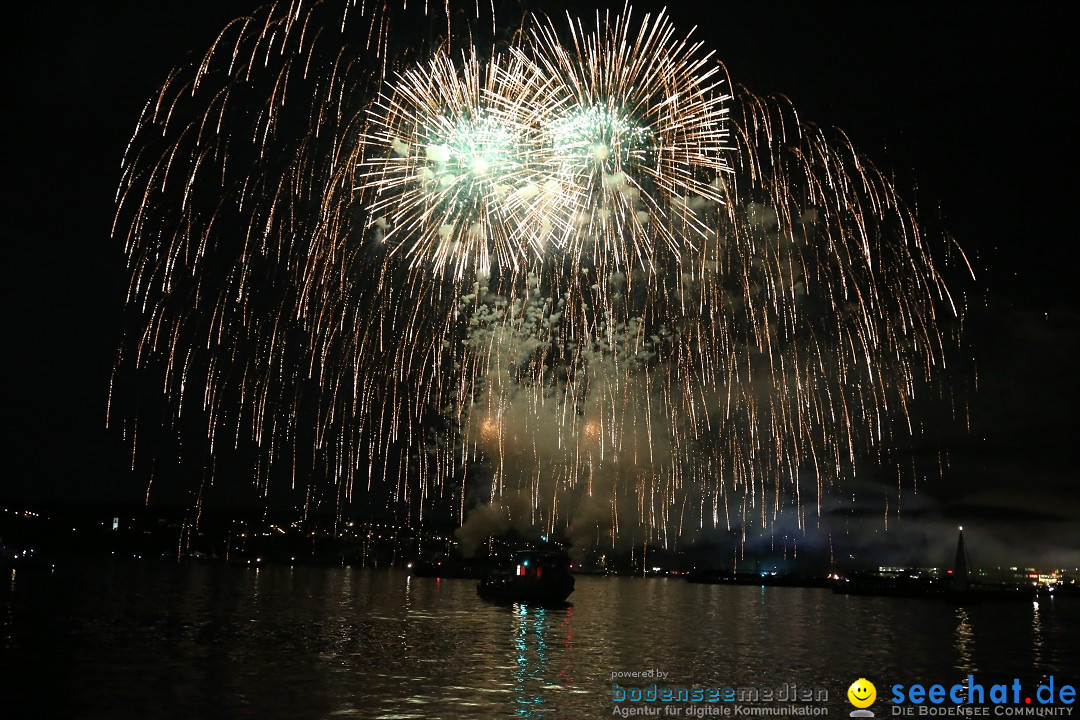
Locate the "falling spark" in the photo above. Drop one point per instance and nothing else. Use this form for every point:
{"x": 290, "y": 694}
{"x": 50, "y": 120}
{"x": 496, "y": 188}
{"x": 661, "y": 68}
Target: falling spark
{"x": 578, "y": 276}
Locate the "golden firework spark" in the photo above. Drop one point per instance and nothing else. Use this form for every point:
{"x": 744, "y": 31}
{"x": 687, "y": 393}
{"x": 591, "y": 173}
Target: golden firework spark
{"x": 569, "y": 271}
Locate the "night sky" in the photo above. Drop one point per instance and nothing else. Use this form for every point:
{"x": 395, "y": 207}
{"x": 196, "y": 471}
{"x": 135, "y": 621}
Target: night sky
{"x": 966, "y": 106}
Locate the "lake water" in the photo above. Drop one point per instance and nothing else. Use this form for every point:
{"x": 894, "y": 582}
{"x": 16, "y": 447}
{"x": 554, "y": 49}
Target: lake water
{"x": 131, "y": 639}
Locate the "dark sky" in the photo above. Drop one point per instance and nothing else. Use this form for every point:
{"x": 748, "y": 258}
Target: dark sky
{"x": 967, "y": 106}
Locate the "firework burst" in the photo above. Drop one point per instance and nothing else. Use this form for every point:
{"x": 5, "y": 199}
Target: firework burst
{"x": 596, "y": 148}
{"x": 641, "y": 135}
{"x": 451, "y": 170}
{"x": 569, "y": 277}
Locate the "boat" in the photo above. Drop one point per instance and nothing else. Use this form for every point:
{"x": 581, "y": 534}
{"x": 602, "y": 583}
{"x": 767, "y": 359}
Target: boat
{"x": 534, "y": 576}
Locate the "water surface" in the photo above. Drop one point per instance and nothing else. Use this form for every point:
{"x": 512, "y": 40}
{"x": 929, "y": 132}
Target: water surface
{"x": 157, "y": 640}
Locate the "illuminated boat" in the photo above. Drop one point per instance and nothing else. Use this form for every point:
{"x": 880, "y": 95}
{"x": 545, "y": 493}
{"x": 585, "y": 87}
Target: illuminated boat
{"x": 541, "y": 577}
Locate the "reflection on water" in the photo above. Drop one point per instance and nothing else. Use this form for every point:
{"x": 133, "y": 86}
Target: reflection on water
{"x": 532, "y": 660}
{"x": 542, "y": 671}
{"x": 965, "y": 641}
{"x": 209, "y": 641}
{"x": 1036, "y": 634}
{"x": 9, "y": 615}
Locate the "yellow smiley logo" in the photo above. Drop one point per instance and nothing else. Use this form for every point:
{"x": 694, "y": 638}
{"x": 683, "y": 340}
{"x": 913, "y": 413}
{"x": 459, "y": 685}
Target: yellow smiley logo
{"x": 862, "y": 693}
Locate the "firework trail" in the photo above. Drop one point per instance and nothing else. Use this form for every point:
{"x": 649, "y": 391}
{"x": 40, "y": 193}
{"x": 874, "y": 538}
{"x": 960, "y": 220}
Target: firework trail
{"x": 574, "y": 278}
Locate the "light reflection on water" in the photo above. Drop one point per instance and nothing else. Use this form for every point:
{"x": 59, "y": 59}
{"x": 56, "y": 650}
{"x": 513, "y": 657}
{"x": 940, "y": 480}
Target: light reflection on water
{"x": 212, "y": 641}
{"x": 965, "y": 638}
{"x": 1036, "y": 635}
{"x": 9, "y": 615}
